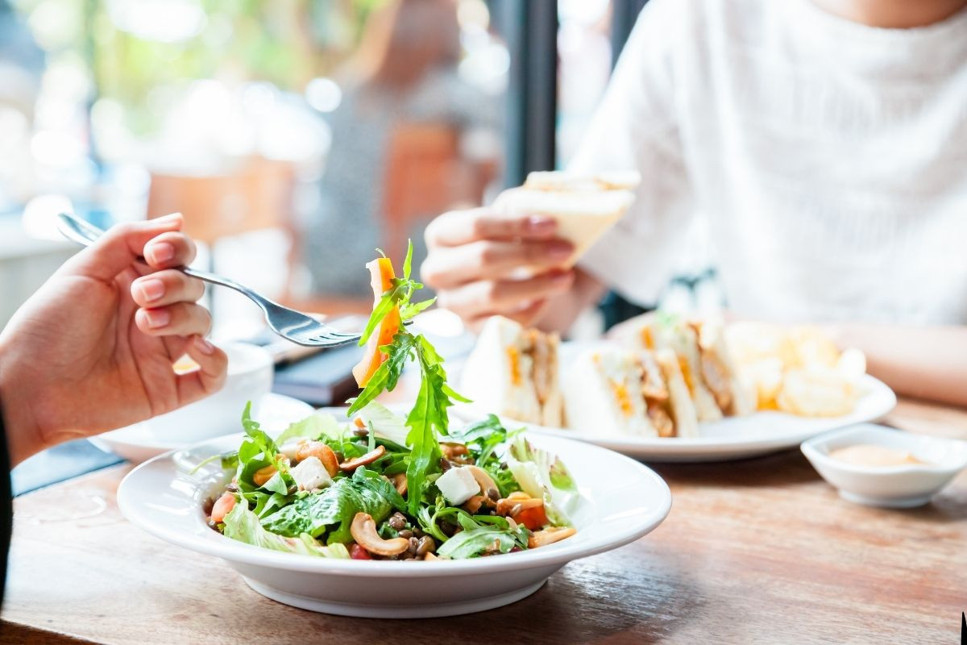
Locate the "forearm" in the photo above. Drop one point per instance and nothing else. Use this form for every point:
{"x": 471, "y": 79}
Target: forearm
{"x": 22, "y": 437}
{"x": 563, "y": 310}
{"x": 923, "y": 362}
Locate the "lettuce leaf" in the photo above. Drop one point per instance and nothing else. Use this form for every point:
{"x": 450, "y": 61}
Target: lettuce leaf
{"x": 243, "y": 525}
{"x": 314, "y": 426}
{"x": 332, "y": 510}
{"x": 543, "y": 475}
{"x": 387, "y": 423}
{"x": 472, "y": 543}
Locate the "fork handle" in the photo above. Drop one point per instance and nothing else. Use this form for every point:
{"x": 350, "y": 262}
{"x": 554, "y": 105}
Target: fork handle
{"x": 223, "y": 281}
{"x": 85, "y": 234}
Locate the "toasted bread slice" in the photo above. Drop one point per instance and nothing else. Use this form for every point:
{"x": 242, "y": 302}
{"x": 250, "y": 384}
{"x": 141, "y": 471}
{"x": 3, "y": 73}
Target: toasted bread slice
{"x": 513, "y": 371}
{"x": 683, "y": 410}
{"x": 584, "y": 207}
{"x": 603, "y": 394}
{"x": 732, "y": 394}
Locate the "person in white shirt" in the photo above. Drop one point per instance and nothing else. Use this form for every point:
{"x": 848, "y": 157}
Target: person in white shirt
{"x": 824, "y": 143}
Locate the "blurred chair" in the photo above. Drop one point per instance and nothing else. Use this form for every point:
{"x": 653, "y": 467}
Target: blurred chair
{"x": 258, "y": 195}
{"x": 426, "y": 175}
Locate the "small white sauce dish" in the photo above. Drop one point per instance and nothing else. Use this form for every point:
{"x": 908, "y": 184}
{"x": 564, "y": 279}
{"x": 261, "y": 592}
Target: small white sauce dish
{"x": 904, "y": 486}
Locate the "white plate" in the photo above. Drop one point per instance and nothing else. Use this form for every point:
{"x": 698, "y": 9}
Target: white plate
{"x": 732, "y": 438}
{"x": 624, "y": 501}
{"x": 137, "y": 443}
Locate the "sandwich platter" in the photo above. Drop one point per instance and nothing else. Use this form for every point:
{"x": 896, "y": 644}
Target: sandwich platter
{"x": 591, "y": 385}
{"x": 760, "y": 433}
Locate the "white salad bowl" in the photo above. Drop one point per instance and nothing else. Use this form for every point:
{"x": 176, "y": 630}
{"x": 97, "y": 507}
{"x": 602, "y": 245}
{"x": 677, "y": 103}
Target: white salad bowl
{"x": 623, "y": 500}
{"x": 903, "y": 486}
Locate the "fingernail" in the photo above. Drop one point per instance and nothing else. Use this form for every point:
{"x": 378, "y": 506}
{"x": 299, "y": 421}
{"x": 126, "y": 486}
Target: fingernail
{"x": 157, "y": 317}
{"x": 160, "y": 252}
{"x": 204, "y": 346}
{"x": 560, "y": 250}
{"x": 151, "y": 290}
{"x": 540, "y": 224}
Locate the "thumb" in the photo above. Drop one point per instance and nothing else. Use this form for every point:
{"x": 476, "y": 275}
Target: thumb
{"x": 120, "y": 247}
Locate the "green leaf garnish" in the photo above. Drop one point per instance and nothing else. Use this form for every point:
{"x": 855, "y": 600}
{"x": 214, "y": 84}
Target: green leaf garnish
{"x": 429, "y": 418}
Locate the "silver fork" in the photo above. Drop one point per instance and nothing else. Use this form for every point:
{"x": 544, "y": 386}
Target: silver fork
{"x": 288, "y": 323}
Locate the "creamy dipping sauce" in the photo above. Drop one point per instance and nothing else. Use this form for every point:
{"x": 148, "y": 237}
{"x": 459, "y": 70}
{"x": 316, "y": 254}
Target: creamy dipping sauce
{"x": 874, "y": 456}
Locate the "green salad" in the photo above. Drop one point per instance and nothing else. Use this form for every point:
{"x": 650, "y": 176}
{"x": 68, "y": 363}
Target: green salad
{"x": 378, "y": 485}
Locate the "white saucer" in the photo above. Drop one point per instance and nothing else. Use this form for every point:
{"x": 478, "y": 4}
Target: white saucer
{"x": 902, "y": 486}
{"x": 136, "y": 443}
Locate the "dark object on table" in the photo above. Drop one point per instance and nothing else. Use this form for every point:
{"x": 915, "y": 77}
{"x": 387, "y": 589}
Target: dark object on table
{"x": 60, "y": 463}
{"x": 322, "y": 379}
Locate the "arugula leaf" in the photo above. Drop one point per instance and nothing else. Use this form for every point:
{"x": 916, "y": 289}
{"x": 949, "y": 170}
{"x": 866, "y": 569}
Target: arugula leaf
{"x": 399, "y": 295}
{"x": 413, "y": 308}
{"x": 388, "y": 374}
{"x": 429, "y": 418}
{"x": 408, "y": 260}
{"x": 427, "y": 421}
{"x": 380, "y": 311}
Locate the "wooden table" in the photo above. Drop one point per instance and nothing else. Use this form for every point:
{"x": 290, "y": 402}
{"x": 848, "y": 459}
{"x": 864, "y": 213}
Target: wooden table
{"x": 760, "y": 550}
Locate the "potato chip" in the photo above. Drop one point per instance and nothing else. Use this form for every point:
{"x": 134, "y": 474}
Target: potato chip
{"x": 816, "y": 393}
{"x": 798, "y": 370}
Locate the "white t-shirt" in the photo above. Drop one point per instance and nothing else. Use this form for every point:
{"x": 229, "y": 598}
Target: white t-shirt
{"x": 828, "y": 158}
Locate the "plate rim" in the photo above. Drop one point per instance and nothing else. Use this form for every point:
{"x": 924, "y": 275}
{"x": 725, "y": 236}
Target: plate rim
{"x": 707, "y": 448}
{"x": 250, "y": 555}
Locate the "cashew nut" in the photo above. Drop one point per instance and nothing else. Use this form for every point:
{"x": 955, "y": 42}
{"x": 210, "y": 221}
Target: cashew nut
{"x": 363, "y": 530}
{"x": 549, "y": 536}
{"x": 320, "y": 451}
{"x": 453, "y": 450}
{"x": 368, "y": 458}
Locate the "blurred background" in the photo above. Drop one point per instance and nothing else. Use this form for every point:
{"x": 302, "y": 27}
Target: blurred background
{"x": 296, "y": 136}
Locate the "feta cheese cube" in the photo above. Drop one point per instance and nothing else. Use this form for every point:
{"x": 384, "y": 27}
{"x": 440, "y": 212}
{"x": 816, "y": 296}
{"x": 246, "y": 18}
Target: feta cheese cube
{"x": 458, "y": 485}
{"x": 310, "y": 474}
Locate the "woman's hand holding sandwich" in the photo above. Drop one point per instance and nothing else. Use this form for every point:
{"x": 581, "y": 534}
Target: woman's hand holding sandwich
{"x": 482, "y": 263}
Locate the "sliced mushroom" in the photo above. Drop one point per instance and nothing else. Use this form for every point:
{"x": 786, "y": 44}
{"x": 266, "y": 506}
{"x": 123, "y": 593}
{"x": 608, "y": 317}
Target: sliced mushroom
{"x": 549, "y": 536}
{"x": 363, "y": 530}
{"x": 368, "y": 458}
{"x": 483, "y": 478}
